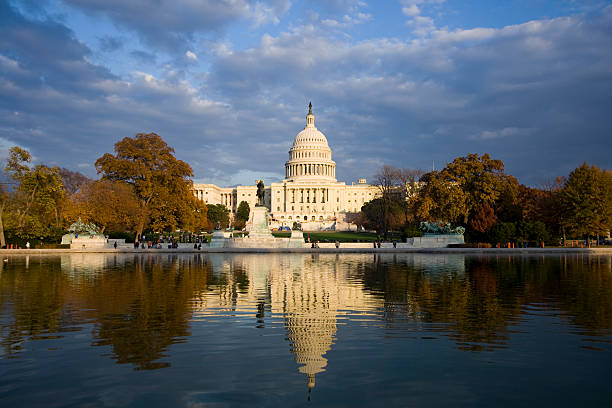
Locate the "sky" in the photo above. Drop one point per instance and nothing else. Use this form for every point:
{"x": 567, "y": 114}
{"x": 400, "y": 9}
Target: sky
{"x": 226, "y": 83}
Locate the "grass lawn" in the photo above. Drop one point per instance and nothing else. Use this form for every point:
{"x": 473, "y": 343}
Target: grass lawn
{"x": 331, "y": 236}
{"x": 342, "y": 236}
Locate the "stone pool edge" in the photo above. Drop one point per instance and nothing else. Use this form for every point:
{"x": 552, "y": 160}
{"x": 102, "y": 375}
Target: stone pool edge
{"x": 505, "y": 251}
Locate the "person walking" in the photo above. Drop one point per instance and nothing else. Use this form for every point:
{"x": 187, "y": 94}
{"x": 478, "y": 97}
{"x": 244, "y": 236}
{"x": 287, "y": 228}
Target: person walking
{"x": 28, "y": 245}
{"x": 115, "y": 245}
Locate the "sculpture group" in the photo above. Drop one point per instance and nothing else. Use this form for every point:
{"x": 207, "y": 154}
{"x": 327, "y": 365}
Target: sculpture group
{"x": 441, "y": 228}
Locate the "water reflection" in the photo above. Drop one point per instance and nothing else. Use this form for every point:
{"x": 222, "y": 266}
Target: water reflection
{"x": 309, "y": 293}
{"x": 138, "y": 306}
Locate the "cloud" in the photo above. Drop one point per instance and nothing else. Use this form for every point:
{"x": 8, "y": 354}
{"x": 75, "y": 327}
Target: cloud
{"x": 144, "y": 57}
{"x": 536, "y": 95}
{"x": 109, "y": 43}
{"x": 506, "y": 132}
{"x": 191, "y": 56}
{"x": 422, "y": 25}
{"x": 549, "y": 78}
{"x": 172, "y": 24}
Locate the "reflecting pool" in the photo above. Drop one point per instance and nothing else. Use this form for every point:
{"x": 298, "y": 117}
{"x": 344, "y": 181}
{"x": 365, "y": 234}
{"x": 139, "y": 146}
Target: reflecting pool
{"x": 283, "y": 330}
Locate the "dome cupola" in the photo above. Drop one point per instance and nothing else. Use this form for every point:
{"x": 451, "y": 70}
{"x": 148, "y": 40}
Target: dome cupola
{"x": 310, "y": 158}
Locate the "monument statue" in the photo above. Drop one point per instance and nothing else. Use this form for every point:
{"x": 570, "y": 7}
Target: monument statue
{"x": 82, "y": 235}
{"x": 440, "y": 228}
{"x": 80, "y": 227}
{"x": 260, "y": 194}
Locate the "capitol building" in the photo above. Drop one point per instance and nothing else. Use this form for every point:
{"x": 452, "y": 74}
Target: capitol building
{"x": 309, "y": 193}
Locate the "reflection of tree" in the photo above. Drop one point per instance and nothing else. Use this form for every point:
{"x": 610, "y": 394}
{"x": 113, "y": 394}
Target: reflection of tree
{"x": 33, "y": 294}
{"x": 138, "y": 307}
{"x": 143, "y": 309}
{"x": 476, "y": 307}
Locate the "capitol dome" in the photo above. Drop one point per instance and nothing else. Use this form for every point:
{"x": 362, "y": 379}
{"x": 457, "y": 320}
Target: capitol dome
{"x": 310, "y": 158}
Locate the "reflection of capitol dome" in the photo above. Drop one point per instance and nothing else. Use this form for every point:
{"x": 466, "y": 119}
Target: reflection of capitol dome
{"x": 310, "y": 158}
{"x": 310, "y": 320}
{"x": 309, "y": 296}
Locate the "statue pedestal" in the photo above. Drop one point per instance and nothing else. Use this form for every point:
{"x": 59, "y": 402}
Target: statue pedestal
{"x": 258, "y": 227}
{"x": 88, "y": 242}
{"x": 297, "y": 239}
{"x": 435, "y": 240}
{"x": 218, "y": 240}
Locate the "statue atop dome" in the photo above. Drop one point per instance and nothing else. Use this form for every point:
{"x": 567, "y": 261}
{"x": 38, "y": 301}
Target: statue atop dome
{"x": 310, "y": 117}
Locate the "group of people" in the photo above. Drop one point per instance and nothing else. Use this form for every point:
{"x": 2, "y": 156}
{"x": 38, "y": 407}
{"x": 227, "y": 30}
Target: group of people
{"x": 150, "y": 244}
{"x": 378, "y": 242}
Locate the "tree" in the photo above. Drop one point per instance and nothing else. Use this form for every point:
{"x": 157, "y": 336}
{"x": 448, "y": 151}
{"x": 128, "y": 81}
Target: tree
{"x": 4, "y": 197}
{"x": 503, "y": 232}
{"x": 197, "y": 219}
{"x": 462, "y": 188}
{"x": 482, "y": 178}
{"x": 484, "y": 218}
{"x": 160, "y": 181}
{"x": 37, "y": 198}
{"x": 242, "y": 214}
{"x": 392, "y": 208}
{"x": 441, "y": 200}
{"x": 111, "y": 205}
{"x": 586, "y": 201}
{"x": 218, "y": 214}
{"x": 73, "y": 180}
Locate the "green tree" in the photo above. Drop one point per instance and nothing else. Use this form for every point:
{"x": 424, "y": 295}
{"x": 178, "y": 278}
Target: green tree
{"x": 586, "y": 201}
{"x": 503, "y": 232}
{"x": 37, "y": 199}
{"x": 242, "y": 214}
{"x": 160, "y": 181}
{"x": 218, "y": 214}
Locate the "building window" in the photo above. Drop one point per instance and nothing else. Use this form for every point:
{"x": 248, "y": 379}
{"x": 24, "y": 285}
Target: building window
{"x": 313, "y": 217}
{"x": 292, "y": 208}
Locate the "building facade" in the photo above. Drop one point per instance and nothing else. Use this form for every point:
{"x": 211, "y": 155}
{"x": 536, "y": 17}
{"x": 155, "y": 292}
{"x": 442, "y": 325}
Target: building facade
{"x": 309, "y": 193}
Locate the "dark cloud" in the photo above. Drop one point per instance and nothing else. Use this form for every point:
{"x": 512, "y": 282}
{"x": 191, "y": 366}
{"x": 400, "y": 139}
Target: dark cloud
{"x": 536, "y": 95}
{"x": 69, "y": 111}
{"x": 109, "y": 43}
{"x": 143, "y": 56}
{"x": 171, "y": 24}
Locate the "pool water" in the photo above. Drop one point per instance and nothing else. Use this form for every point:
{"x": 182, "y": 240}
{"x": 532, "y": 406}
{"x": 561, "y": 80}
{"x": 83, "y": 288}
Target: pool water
{"x": 282, "y": 330}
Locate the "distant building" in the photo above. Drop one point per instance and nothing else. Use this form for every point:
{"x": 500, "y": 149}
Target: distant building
{"x": 309, "y": 194}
